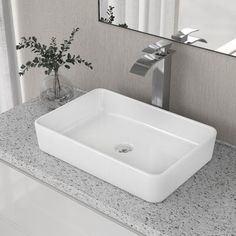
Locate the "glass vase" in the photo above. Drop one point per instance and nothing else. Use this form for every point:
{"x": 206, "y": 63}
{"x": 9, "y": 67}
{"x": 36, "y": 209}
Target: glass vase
{"x": 56, "y": 91}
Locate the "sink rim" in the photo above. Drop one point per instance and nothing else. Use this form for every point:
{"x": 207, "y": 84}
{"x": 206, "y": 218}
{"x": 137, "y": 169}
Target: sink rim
{"x": 120, "y": 162}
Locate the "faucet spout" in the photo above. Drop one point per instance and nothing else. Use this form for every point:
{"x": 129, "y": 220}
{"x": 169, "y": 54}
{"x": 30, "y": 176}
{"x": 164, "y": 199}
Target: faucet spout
{"x": 157, "y": 61}
{"x": 183, "y": 36}
{"x": 191, "y": 40}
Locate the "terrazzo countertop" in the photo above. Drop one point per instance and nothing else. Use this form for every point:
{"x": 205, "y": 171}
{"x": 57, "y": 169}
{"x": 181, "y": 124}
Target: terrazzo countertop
{"x": 204, "y": 205}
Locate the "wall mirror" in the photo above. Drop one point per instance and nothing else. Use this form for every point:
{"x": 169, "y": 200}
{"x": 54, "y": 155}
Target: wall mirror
{"x": 209, "y": 24}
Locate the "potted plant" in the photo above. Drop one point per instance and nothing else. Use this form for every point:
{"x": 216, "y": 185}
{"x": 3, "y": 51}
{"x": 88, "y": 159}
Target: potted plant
{"x": 53, "y": 57}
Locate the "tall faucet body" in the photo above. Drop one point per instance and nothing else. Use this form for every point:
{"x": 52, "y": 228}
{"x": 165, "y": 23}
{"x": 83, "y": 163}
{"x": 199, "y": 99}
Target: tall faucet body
{"x": 157, "y": 64}
{"x": 161, "y": 77}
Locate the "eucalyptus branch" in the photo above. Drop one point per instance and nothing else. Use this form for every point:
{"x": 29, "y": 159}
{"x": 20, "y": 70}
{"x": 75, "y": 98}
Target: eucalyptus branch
{"x": 111, "y": 17}
{"x": 50, "y": 57}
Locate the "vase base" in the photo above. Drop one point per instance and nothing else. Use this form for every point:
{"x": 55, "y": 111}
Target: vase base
{"x": 52, "y": 101}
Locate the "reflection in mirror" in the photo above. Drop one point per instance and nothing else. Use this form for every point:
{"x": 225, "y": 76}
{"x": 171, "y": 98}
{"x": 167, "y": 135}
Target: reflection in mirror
{"x": 208, "y": 24}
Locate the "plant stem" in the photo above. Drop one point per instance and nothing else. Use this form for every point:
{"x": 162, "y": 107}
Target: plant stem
{"x": 56, "y": 86}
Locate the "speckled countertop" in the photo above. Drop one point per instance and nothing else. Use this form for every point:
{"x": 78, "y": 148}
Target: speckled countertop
{"x": 205, "y": 205}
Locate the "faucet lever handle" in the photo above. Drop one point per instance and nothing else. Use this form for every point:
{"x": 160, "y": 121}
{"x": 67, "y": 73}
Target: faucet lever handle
{"x": 182, "y": 35}
{"x": 162, "y": 45}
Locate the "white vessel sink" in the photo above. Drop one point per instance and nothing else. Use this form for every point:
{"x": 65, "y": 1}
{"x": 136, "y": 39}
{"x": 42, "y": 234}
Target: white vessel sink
{"x": 142, "y": 149}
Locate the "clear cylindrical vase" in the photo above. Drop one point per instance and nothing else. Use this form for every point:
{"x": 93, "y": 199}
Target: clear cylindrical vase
{"x": 56, "y": 90}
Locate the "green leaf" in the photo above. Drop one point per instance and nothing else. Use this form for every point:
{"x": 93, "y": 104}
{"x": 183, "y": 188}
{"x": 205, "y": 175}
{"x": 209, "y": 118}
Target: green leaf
{"x": 50, "y": 57}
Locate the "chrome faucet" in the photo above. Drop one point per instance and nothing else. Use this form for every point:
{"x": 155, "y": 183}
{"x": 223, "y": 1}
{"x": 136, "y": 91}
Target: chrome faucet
{"x": 183, "y": 36}
{"x": 157, "y": 59}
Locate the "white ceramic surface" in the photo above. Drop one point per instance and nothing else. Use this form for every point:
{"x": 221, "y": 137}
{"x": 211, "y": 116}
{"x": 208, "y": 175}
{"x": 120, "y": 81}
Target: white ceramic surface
{"x": 142, "y": 149}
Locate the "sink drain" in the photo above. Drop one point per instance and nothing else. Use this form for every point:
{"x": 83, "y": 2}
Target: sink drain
{"x": 124, "y": 148}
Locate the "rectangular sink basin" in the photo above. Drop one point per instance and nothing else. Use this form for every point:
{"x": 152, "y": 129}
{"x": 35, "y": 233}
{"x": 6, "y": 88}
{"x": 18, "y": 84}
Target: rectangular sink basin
{"x": 147, "y": 151}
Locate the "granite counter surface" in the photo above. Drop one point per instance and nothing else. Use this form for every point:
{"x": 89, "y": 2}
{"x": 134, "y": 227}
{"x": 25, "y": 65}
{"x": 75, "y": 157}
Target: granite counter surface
{"x": 204, "y": 205}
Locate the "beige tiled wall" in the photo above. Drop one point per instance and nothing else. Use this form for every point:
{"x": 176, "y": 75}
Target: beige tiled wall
{"x": 203, "y": 83}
